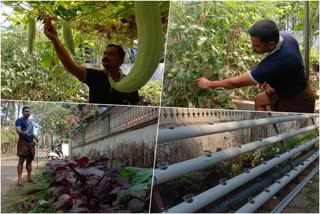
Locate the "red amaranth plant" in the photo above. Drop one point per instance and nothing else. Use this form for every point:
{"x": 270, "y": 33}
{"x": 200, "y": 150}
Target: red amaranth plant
{"x": 85, "y": 186}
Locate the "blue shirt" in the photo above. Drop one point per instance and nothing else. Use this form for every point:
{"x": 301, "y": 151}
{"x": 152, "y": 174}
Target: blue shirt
{"x": 25, "y": 125}
{"x": 283, "y": 70}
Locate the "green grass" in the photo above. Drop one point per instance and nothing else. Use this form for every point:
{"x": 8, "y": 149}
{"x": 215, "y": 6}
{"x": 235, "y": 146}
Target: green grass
{"x": 17, "y": 201}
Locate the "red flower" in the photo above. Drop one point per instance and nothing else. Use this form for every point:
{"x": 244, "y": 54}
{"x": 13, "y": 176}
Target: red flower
{"x": 85, "y": 111}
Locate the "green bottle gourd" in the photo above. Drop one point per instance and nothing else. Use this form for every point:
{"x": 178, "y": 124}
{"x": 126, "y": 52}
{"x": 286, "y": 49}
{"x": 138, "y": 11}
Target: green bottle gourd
{"x": 67, "y": 35}
{"x": 31, "y": 33}
{"x": 150, "y": 44}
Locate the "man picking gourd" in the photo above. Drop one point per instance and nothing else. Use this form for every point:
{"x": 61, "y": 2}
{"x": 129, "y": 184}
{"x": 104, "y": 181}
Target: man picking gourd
{"x": 281, "y": 72}
{"x": 100, "y": 90}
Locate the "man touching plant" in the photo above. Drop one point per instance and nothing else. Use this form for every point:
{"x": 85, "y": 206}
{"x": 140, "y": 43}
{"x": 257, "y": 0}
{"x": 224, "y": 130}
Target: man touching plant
{"x": 281, "y": 72}
{"x": 100, "y": 90}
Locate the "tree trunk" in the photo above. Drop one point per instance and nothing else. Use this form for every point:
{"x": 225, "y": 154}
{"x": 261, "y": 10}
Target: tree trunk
{"x": 5, "y": 109}
{"x": 18, "y": 109}
{"x": 306, "y": 38}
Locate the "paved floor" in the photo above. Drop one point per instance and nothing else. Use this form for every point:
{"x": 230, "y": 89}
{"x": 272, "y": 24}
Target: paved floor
{"x": 9, "y": 170}
{"x": 307, "y": 201}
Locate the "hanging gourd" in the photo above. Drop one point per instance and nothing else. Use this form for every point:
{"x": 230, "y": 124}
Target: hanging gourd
{"x": 31, "y": 33}
{"x": 67, "y": 35}
{"x": 150, "y": 43}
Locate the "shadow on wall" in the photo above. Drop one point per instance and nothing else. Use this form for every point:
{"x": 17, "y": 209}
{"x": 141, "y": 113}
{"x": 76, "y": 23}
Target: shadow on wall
{"x": 138, "y": 154}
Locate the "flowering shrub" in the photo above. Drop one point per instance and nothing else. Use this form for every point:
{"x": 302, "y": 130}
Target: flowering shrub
{"x": 81, "y": 114}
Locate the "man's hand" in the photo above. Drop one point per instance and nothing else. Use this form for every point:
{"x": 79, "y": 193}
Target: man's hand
{"x": 50, "y": 30}
{"x": 264, "y": 85}
{"x": 203, "y": 83}
{"x": 24, "y": 133}
{"x": 269, "y": 90}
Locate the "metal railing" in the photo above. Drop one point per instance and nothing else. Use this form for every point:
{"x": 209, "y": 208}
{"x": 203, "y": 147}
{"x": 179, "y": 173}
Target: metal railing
{"x": 115, "y": 120}
{"x": 123, "y": 118}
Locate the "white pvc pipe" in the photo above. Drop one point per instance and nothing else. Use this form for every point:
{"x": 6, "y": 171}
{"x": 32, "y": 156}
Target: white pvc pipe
{"x": 185, "y": 167}
{"x": 284, "y": 203}
{"x": 183, "y": 132}
{"x": 264, "y": 196}
{"x": 218, "y": 191}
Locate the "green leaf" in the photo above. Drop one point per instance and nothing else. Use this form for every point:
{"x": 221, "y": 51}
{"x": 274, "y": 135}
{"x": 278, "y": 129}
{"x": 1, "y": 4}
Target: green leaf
{"x": 201, "y": 40}
{"x": 46, "y": 60}
{"x": 196, "y": 63}
{"x": 135, "y": 190}
{"x": 140, "y": 174}
{"x": 298, "y": 27}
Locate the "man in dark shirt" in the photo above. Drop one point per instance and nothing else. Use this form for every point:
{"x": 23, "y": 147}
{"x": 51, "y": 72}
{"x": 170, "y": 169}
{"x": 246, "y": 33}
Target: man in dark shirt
{"x": 100, "y": 90}
{"x": 281, "y": 72}
{"x": 25, "y": 148}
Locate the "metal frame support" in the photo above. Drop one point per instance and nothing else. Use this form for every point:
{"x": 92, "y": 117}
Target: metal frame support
{"x": 157, "y": 198}
{"x": 283, "y": 146}
{"x": 314, "y": 123}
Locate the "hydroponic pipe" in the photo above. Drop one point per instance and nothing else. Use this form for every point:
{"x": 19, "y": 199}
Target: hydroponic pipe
{"x": 285, "y": 202}
{"x": 218, "y": 191}
{"x": 183, "y": 132}
{"x": 239, "y": 198}
{"x": 264, "y": 196}
{"x": 185, "y": 167}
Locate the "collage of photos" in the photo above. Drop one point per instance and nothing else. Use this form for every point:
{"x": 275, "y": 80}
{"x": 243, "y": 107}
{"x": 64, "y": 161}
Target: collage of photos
{"x": 159, "y": 106}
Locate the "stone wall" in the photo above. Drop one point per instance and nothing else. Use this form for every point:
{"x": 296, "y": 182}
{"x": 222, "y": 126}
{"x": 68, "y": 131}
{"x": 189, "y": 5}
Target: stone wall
{"x": 125, "y": 134}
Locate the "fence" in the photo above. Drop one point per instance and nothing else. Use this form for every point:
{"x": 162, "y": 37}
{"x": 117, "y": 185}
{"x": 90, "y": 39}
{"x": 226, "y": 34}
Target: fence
{"x": 114, "y": 121}
{"x": 125, "y": 133}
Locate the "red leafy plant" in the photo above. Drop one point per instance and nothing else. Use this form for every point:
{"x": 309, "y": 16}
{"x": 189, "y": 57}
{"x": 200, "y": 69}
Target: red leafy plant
{"x": 85, "y": 186}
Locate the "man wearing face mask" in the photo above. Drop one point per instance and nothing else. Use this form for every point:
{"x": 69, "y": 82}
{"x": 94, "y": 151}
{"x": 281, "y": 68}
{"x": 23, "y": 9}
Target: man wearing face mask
{"x": 100, "y": 90}
{"x": 281, "y": 72}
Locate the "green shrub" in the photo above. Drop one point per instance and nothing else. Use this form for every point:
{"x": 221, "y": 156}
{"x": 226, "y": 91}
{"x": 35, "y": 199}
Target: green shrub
{"x": 314, "y": 59}
{"x": 151, "y": 92}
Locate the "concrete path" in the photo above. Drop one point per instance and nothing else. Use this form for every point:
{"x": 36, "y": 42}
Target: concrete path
{"x": 9, "y": 170}
{"x": 307, "y": 201}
